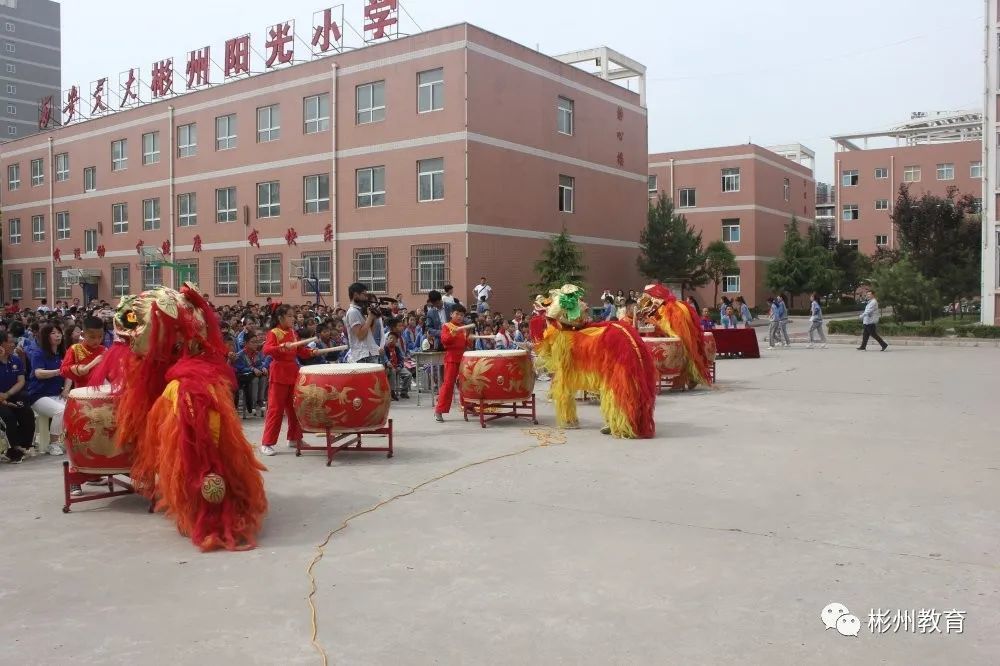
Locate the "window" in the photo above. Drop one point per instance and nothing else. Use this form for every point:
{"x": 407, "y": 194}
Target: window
{"x": 851, "y": 242}
{"x": 11, "y": 68}
{"x": 11, "y": 89}
{"x": 10, "y": 27}
{"x": 881, "y": 240}
{"x": 11, "y": 130}
{"x": 975, "y": 169}
{"x": 13, "y": 176}
{"x": 911, "y": 174}
{"x": 849, "y": 178}
{"x": 187, "y": 140}
{"x": 225, "y": 204}
{"x": 370, "y": 268}
{"x": 370, "y": 99}
{"x": 225, "y": 132}
{"x": 430, "y": 179}
{"x": 566, "y": 184}
{"x": 731, "y": 283}
{"x": 89, "y": 179}
{"x": 316, "y": 191}
{"x": 430, "y": 91}
{"x": 9, "y": 48}
{"x": 152, "y": 276}
{"x": 119, "y": 218}
{"x": 977, "y": 205}
{"x": 788, "y": 190}
{"x": 119, "y": 280}
{"x": 14, "y": 230}
{"x": 687, "y": 197}
{"x": 318, "y": 270}
{"x": 90, "y": 240}
{"x": 62, "y": 167}
{"x": 62, "y": 225}
{"x": 730, "y": 231}
{"x": 186, "y": 271}
{"x": 37, "y": 172}
{"x": 151, "y": 214}
{"x": 651, "y": 184}
{"x": 151, "y": 148}
{"x": 63, "y": 288}
{"x": 428, "y": 268}
{"x": 371, "y": 187}
{"x": 268, "y": 123}
{"x": 946, "y": 171}
{"x": 187, "y": 209}
{"x": 316, "y": 113}
{"x": 881, "y": 173}
{"x": 268, "y": 275}
{"x": 564, "y": 116}
{"x": 119, "y": 155}
{"x": 37, "y": 228}
{"x": 731, "y": 180}
{"x": 15, "y": 288}
{"x": 11, "y": 109}
{"x": 38, "y": 287}
{"x": 268, "y": 199}
{"x": 227, "y": 282}
{"x": 881, "y": 204}
{"x": 850, "y": 212}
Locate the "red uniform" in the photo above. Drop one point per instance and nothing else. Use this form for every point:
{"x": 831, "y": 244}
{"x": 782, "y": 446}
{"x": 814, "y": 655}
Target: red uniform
{"x": 536, "y": 327}
{"x": 454, "y": 340}
{"x": 77, "y": 356}
{"x": 282, "y": 375}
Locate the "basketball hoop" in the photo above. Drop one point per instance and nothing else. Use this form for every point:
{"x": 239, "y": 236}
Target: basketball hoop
{"x": 151, "y": 257}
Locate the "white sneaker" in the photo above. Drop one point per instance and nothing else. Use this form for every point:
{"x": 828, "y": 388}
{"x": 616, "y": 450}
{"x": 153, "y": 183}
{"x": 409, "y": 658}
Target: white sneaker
{"x": 75, "y": 491}
{"x": 770, "y": 346}
{"x": 55, "y": 450}
{"x": 810, "y": 345}
{"x": 268, "y": 451}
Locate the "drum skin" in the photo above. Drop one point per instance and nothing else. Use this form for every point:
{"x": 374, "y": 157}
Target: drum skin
{"x": 710, "y": 349}
{"x": 497, "y": 376}
{"x": 342, "y": 397}
{"x": 90, "y": 433}
{"x": 668, "y": 354}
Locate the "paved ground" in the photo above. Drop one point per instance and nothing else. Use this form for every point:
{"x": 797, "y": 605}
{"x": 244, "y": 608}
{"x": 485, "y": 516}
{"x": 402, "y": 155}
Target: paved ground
{"x": 807, "y": 477}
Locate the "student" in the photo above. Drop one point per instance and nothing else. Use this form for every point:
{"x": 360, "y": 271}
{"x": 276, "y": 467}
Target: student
{"x": 399, "y": 376}
{"x": 745, "y": 314}
{"x": 706, "y": 320}
{"x": 82, "y": 357}
{"x": 454, "y": 341}
{"x": 280, "y": 346}
{"x": 816, "y": 322}
{"x": 251, "y": 375}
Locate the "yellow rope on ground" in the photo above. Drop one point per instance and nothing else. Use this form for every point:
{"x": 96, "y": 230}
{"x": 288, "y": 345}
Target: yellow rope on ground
{"x": 544, "y": 437}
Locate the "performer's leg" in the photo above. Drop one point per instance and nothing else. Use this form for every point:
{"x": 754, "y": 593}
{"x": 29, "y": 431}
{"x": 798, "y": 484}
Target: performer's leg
{"x": 294, "y": 427}
{"x": 272, "y": 421}
{"x": 447, "y": 392}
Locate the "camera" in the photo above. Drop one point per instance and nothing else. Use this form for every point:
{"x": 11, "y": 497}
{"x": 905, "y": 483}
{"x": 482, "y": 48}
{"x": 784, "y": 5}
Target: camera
{"x": 371, "y": 305}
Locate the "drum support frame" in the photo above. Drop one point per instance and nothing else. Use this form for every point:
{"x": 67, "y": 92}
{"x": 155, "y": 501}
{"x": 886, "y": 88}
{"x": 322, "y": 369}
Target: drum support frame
{"x": 681, "y": 381}
{"x": 337, "y": 442}
{"x": 71, "y": 477}
{"x": 490, "y": 411}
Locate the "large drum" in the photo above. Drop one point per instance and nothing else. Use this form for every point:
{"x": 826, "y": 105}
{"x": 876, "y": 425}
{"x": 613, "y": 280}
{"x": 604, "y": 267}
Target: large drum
{"x": 90, "y": 433}
{"x": 342, "y": 397}
{"x": 668, "y": 354}
{"x": 496, "y": 376}
{"x": 710, "y": 349}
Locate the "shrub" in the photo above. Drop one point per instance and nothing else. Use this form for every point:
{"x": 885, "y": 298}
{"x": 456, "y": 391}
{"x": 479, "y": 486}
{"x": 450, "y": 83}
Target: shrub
{"x": 854, "y": 327}
{"x": 845, "y": 326}
{"x": 977, "y": 331}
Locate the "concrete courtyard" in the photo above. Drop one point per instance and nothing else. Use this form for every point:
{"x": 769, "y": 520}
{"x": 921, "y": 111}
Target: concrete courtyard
{"x": 807, "y": 477}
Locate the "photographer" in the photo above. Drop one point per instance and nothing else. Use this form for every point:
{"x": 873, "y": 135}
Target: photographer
{"x": 361, "y": 318}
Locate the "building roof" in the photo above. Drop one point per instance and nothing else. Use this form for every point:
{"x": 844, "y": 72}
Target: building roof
{"x": 922, "y": 128}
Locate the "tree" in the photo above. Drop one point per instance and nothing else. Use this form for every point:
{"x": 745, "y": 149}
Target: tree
{"x": 904, "y": 288}
{"x": 853, "y": 268}
{"x": 719, "y": 260}
{"x": 802, "y": 266}
{"x": 670, "y": 250}
{"x": 561, "y": 263}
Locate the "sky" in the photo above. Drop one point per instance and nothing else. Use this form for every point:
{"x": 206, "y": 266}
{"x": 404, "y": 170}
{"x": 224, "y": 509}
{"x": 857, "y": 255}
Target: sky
{"x": 718, "y": 73}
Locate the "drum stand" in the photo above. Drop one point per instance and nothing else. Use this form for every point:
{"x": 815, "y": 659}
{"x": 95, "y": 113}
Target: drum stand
{"x": 71, "y": 477}
{"x": 337, "y": 442}
{"x": 490, "y": 411}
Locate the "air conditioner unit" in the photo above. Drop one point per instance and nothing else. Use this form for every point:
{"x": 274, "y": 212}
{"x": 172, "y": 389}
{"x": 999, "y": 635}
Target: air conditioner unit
{"x": 297, "y": 269}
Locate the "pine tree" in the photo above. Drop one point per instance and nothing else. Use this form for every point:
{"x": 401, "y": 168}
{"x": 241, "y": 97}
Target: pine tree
{"x": 670, "y": 250}
{"x": 719, "y": 260}
{"x": 803, "y": 266}
{"x": 561, "y": 263}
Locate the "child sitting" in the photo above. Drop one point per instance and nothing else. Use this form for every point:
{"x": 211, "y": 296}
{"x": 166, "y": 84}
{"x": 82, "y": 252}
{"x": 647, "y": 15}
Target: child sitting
{"x": 706, "y": 320}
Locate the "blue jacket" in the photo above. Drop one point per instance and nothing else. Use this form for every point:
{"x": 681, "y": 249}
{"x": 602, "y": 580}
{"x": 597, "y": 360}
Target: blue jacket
{"x": 244, "y": 366}
{"x": 782, "y": 310}
{"x": 434, "y": 324}
{"x": 43, "y": 388}
{"x": 412, "y": 339}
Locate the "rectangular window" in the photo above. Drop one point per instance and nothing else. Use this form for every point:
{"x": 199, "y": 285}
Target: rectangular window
{"x": 11, "y": 130}
{"x": 687, "y": 197}
{"x": 186, "y": 271}
{"x": 11, "y": 68}
{"x": 14, "y": 230}
{"x": 731, "y": 283}
{"x": 187, "y": 209}
{"x": 911, "y": 174}
{"x": 849, "y": 178}
{"x": 10, "y": 27}
{"x": 851, "y": 242}
{"x": 9, "y": 48}
{"x": 11, "y": 110}
{"x": 119, "y": 155}
{"x": 120, "y": 280}
{"x": 975, "y": 169}
{"x": 268, "y": 199}
{"x": 152, "y": 276}
{"x": 850, "y": 212}
{"x": 428, "y": 267}
{"x": 731, "y": 180}
{"x": 37, "y": 172}
{"x": 151, "y": 214}
{"x": 119, "y": 218}
{"x": 946, "y": 171}
{"x": 11, "y": 89}
{"x": 37, "y": 228}
{"x": 225, "y": 204}
{"x": 268, "y": 123}
{"x": 430, "y": 179}
{"x": 370, "y": 268}
{"x": 227, "y": 277}
{"x": 187, "y": 140}
{"x": 63, "y": 288}
{"x": 13, "y": 176}
{"x": 730, "y": 231}
{"x": 316, "y": 191}
{"x": 371, "y": 187}
{"x": 90, "y": 240}
{"x": 566, "y": 185}
{"x": 881, "y": 173}
{"x": 151, "y": 148}
{"x": 316, "y": 113}
{"x": 38, "y": 285}
{"x": 15, "y": 288}
{"x": 318, "y": 271}
{"x": 62, "y": 225}
{"x": 564, "y": 116}
{"x": 89, "y": 179}
{"x": 788, "y": 190}
{"x": 225, "y": 132}
{"x": 430, "y": 90}
{"x": 62, "y": 167}
{"x": 881, "y": 240}
{"x": 651, "y": 184}
{"x": 881, "y": 204}
{"x": 370, "y": 101}
{"x": 268, "y": 271}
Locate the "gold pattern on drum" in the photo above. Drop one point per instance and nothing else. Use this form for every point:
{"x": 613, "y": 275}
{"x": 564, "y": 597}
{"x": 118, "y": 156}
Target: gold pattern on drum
{"x": 314, "y": 407}
{"x": 477, "y": 379}
{"x": 380, "y": 397}
{"x": 101, "y": 434}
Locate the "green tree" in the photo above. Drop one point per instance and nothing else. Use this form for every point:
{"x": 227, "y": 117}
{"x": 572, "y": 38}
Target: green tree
{"x": 561, "y": 263}
{"x": 719, "y": 260}
{"x": 804, "y": 265}
{"x": 670, "y": 249}
{"x": 910, "y": 293}
{"x": 853, "y": 268}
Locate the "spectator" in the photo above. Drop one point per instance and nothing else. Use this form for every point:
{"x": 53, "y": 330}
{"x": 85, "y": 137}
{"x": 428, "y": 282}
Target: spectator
{"x": 449, "y": 300}
{"x": 399, "y": 376}
{"x": 482, "y": 290}
{"x": 729, "y": 317}
{"x": 47, "y": 389}
{"x": 503, "y": 339}
{"x": 412, "y": 335}
{"x": 706, "y": 320}
{"x": 609, "y": 308}
{"x": 251, "y": 375}
{"x": 361, "y": 321}
{"x": 18, "y": 419}
{"x": 435, "y": 318}
{"x": 324, "y": 340}
{"x": 486, "y": 341}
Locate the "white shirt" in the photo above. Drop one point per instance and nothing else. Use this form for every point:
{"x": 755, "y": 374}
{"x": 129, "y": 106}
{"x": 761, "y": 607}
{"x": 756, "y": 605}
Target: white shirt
{"x": 871, "y": 313}
{"x": 359, "y": 348}
{"x": 483, "y": 290}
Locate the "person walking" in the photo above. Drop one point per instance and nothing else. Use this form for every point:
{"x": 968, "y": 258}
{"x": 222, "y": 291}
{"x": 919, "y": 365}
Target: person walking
{"x": 745, "y": 314}
{"x": 773, "y": 322}
{"x": 783, "y": 319}
{"x": 869, "y": 321}
{"x": 816, "y": 322}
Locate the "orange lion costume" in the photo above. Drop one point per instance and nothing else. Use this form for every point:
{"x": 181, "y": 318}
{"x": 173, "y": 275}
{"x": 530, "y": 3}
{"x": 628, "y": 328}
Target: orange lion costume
{"x": 677, "y": 319}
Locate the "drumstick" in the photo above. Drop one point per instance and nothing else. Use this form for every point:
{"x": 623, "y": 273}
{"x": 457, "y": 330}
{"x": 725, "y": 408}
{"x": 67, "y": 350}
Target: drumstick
{"x": 299, "y": 343}
{"x": 330, "y": 350}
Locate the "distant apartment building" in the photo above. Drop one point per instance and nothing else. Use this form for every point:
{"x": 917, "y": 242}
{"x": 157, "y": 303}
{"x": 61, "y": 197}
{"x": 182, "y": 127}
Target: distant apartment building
{"x": 991, "y": 169}
{"x": 29, "y": 64}
{"x": 744, "y": 195}
{"x": 826, "y": 205}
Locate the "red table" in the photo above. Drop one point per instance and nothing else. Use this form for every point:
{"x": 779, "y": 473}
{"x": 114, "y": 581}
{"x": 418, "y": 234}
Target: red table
{"x": 741, "y": 342}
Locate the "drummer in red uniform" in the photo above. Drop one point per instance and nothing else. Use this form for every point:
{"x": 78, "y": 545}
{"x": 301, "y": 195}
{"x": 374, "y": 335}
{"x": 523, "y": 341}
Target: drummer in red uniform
{"x": 83, "y": 357}
{"x": 454, "y": 340}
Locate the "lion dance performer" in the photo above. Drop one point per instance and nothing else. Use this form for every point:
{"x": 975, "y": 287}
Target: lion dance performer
{"x": 677, "y": 319}
{"x": 604, "y": 357}
{"x": 175, "y": 411}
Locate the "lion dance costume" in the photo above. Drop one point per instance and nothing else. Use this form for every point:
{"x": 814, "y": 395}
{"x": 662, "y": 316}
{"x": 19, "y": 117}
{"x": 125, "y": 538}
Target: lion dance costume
{"x": 173, "y": 395}
{"x": 677, "y": 319}
{"x": 608, "y": 358}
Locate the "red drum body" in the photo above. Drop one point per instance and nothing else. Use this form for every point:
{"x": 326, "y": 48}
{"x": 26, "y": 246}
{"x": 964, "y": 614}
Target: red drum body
{"x": 710, "y": 348}
{"x": 90, "y": 433}
{"x": 668, "y": 354}
{"x": 342, "y": 397}
{"x": 496, "y": 376}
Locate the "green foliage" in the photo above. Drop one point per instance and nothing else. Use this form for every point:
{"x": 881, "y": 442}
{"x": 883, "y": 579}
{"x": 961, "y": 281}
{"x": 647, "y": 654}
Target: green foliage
{"x": 561, "y": 263}
{"x": 977, "y": 331}
{"x": 910, "y": 293}
{"x": 670, "y": 250}
{"x": 804, "y": 265}
{"x": 719, "y": 260}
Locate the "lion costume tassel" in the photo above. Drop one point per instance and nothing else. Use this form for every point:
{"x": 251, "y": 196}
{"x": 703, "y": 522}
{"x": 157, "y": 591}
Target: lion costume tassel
{"x": 677, "y": 319}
